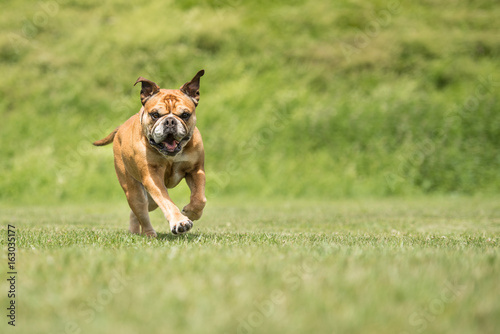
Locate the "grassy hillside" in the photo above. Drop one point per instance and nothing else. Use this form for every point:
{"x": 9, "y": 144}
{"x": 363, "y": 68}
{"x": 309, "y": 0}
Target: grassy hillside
{"x": 300, "y": 98}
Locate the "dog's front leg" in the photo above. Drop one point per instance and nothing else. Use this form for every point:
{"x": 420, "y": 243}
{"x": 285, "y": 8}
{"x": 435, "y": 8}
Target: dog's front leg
{"x": 155, "y": 186}
{"x": 196, "y": 183}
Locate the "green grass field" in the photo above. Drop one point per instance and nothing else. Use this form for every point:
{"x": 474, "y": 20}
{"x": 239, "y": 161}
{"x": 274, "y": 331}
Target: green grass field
{"x": 352, "y": 159}
{"x": 377, "y": 266}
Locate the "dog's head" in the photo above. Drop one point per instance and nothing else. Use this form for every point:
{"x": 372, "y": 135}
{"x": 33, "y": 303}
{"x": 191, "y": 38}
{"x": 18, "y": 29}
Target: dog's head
{"x": 168, "y": 116}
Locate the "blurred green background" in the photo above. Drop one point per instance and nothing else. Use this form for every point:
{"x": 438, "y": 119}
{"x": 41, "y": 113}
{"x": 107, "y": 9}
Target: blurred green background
{"x": 318, "y": 99}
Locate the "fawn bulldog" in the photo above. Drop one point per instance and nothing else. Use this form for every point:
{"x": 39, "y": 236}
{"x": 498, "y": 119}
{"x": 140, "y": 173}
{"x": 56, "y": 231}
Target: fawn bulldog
{"x": 155, "y": 149}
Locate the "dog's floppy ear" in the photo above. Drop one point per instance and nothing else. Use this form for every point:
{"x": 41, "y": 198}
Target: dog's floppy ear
{"x": 192, "y": 88}
{"x": 149, "y": 88}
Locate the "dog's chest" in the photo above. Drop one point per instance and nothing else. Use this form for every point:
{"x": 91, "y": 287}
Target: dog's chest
{"x": 177, "y": 168}
{"x": 174, "y": 173}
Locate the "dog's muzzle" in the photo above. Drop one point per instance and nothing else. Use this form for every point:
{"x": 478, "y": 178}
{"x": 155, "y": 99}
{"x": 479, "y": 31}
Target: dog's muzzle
{"x": 168, "y": 135}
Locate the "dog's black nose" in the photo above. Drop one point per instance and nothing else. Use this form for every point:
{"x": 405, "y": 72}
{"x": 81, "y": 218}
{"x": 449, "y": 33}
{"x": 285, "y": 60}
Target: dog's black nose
{"x": 170, "y": 122}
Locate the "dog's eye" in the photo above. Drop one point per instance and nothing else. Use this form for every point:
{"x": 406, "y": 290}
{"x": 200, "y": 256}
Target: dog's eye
{"x": 154, "y": 115}
{"x": 185, "y": 116}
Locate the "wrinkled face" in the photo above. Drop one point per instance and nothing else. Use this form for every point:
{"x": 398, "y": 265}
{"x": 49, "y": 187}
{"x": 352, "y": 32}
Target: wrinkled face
{"x": 168, "y": 120}
{"x": 167, "y": 117}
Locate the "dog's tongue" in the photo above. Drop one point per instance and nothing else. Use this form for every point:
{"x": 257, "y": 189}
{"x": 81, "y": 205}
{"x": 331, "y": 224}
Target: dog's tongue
{"x": 172, "y": 145}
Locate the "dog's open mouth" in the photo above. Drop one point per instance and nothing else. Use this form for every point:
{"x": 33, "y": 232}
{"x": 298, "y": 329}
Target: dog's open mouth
{"x": 170, "y": 145}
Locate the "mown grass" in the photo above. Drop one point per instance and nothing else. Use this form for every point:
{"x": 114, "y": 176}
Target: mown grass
{"x": 378, "y": 266}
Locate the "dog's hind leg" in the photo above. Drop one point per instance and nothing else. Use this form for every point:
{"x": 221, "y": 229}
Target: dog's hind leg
{"x": 135, "y": 225}
{"x": 138, "y": 202}
{"x": 137, "y": 198}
